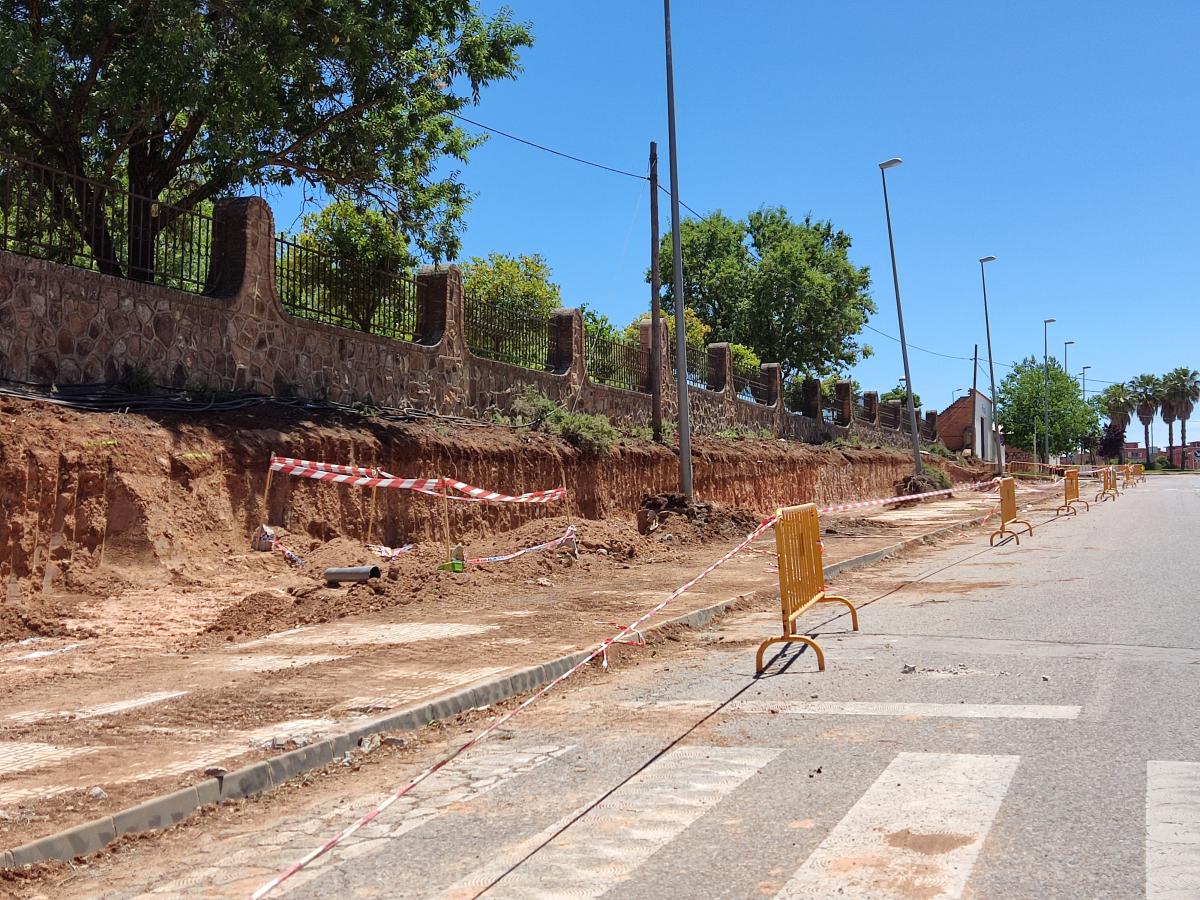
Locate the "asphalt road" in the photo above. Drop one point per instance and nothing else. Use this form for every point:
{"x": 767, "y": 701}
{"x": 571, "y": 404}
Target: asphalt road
{"x": 1020, "y": 724}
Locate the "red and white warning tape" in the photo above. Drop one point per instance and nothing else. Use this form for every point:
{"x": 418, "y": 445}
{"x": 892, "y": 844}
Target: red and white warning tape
{"x": 567, "y": 536}
{"x": 601, "y": 650}
{"x": 864, "y": 504}
{"x": 357, "y": 476}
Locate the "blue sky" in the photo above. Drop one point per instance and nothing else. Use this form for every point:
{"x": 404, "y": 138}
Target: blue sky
{"x": 1061, "y": 137}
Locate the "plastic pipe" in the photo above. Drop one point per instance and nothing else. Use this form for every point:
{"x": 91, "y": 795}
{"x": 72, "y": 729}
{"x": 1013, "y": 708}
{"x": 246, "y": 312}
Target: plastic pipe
{"x": 354, "y": 573}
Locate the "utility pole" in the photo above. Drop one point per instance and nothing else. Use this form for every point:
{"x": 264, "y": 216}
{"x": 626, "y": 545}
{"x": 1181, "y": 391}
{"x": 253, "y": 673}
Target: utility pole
{"x": 982, "y": 439}
{"x": 685, "y": 423}
{"x": 975, "y": 370}
{"x": 655, "y": 305}
{"x": 987, "y": 324}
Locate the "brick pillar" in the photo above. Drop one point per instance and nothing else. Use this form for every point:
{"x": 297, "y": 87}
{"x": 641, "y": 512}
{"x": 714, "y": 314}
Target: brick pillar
{"x": 435, "y": 286}
{"x": 566, "y": 341}
{"x": 871, "y": 403}
{"x": 896, "y": 416}
{"x": 931, "y": 418}
{"x": 810, "y": 398}
{"x": 844, "y": 402}
{"x": 773, "y": 379}
{"x": 720, "y": 367}
{"x": 646, "y": 359}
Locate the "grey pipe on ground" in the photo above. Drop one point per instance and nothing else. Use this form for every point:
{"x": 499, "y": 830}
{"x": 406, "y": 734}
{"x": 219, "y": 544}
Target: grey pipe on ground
{"x": 353, "y": 573}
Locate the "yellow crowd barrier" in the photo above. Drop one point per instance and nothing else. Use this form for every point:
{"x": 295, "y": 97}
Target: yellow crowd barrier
{"x": 1071, "y": 494}
{"x": 1130, "y": 478}
{"x": 801, "y": 577}
{"x": 1108, "y": 487}
{"x": 1008, "y": 511}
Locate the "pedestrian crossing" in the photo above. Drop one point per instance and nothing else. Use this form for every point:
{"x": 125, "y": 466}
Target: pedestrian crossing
{"x": 919, "y": 829}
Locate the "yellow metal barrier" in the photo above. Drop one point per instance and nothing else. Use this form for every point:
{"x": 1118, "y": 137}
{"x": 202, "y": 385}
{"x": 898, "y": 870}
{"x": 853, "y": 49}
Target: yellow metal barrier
{"x": 1140, "y": 471}
{"x": 1008, "y": 511}
{"x": 1071, "y": 494}
{"x": 801, "y": 577}
{"x": 1108, "y": 488}
{"x": 1130, "y": 478}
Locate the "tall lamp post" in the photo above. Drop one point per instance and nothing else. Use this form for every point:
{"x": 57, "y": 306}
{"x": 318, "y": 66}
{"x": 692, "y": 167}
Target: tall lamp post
{"x": 685, "y": 424}
{"x": 1083, "y": 380}
{"x": 991, "y": 368}
{"x": 1046, "y": 323}
{"x": 954, "y": 395}
{"x": 1066, "y": 344}
{"x": 918, "y": 468}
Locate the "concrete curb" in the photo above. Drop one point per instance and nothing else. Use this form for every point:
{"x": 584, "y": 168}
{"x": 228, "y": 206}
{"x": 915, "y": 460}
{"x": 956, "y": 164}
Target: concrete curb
{"x": 263, "y": 775}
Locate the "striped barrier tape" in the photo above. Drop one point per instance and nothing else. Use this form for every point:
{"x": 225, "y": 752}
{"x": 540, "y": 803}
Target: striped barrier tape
{"x": 600, "y": 650}
{"x": 390, "y": 553}
{"x": 357, "y": 476}
{"x": 864, "y": 504}
{"x": 567, "y": 537}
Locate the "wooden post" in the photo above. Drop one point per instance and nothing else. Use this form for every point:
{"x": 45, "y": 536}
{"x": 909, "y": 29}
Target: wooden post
{"x": 104, "y": 524}
{"x": 266, "y": 515}
{"x": 446, "y": 517}
{"x": 371, "y": 514}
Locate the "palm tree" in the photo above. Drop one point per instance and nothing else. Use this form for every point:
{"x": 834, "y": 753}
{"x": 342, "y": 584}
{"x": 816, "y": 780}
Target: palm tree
{"x": 1168, "y": 411}
{"x": 1117, "y": 404}
{"x": 1147, "y": 398}
{"x": 1182, "y": 386}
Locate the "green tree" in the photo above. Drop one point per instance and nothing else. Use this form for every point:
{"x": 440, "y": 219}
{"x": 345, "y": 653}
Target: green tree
{"x": 1181, "y": 391}
{"x": 784, "y": 288}
{"x": 351, "y": 278}
{"x": 190, "y": 101}
{"x": 900, "y": 392}
{"x": 696, "y": 332}
{"x": 1146, "y": 391}
{"x": 1019, "y": 407}
{"x": 1117, "y": 405}
{"x": 520, "y": 282}
{"x": 829, "y": 389}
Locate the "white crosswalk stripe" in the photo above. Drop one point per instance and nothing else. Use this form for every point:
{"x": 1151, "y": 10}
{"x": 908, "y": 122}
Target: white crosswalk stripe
{"x": 1172, "y": 830}
{"x": 623, "y": 831}
{"x": 916, "y": 832}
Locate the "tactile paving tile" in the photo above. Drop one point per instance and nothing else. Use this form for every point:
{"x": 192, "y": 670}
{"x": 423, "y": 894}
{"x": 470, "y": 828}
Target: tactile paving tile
{"x": 20, "y": 756}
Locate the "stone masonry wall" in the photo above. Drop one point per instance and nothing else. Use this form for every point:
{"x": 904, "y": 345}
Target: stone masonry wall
{"x": 69, "y": 326}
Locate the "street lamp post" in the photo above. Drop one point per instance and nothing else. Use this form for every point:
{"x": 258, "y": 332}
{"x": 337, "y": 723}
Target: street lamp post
{"x": 1066, "y": 344}
{"x": 685, "y": 424}
{"x": 912, "y": 409}
{"x": 1046, "y": 323}
{"x": 991, "y": 368}
{"x": 1083, "y": 380}
{"x": 954, "y": 395}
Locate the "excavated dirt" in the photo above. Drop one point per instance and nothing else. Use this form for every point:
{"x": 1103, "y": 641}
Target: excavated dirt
{"x": 116, "y": 511}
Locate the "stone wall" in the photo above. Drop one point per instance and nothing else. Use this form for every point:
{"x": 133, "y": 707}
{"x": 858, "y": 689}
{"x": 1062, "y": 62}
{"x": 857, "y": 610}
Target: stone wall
{"x": 65, "y": 325}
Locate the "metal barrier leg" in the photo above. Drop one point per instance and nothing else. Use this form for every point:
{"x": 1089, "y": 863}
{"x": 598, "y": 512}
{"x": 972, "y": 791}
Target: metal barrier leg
{"x": 1066, "y": 509}
{"x": 789, "y": 639}
{"x": 1087, "y": 507}
{"x": 1001, "y": 533}
{"x": 853, "y": 612}
{"x": 1022, "y": 522}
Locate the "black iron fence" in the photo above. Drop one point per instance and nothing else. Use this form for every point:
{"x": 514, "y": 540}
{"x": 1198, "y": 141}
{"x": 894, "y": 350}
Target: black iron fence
{"x": 64, "y": 218}
{"x": 324, "y": 288}
{"x": 697, "y": 366}
{"x": 614, "y": 362}
{"x": 749, "y": 382}
{"x": 501, "y": 331}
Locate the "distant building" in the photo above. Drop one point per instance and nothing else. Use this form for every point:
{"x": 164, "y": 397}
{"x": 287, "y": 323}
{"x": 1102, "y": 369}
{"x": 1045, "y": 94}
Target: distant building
{"x": 1134, "y": 452}
{"x": 966, "y": 426}
{"x": 1186, "y": 457}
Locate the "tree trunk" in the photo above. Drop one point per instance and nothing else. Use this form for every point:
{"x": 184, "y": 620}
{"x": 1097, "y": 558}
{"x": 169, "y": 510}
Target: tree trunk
{"x": 142, "y": 215}
{"x": 1170, "y": 442}
{"x": 1146, "y": 426}
{"x": 1183, "y": 447}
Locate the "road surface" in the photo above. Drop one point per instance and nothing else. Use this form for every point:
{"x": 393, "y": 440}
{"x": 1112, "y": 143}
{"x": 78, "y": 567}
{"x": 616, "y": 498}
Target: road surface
{"x": 1021, "y": 723}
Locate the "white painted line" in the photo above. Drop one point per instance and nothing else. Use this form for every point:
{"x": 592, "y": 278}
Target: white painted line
{"x": 896, "y": 710}
{"x": 934, "y": 710}
{"x": 641, "y": 817}
{"x": 1172, "y": 830}
{"x": 916, "y": 832}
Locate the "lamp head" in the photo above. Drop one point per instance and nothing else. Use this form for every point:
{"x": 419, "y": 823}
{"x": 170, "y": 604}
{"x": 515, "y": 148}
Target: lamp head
{"x": 1049, "y": 321}
{"x": 987, "y": 259}
{"x": 1068, "y": 343}
{"x": 891, "y": 163}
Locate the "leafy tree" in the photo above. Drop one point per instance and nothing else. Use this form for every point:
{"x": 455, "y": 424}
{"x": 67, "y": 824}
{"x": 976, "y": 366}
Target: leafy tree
{"x": 784, "y": 288}
{"x": 1117, "y": 404}
{"x": 829, "y": 389}
{"x": 359, "y": 251}
{"x": 520, "y": 282}
{"x": 1146, "y": 391}
{"x": 184, "y": 102}
{"x": 696, "y": 331}
{"x": 1181, "y": 391}
{"x": 900, "y": 392}
{"x": 1112, "y": 444}
{"x": 1019, "y": 405}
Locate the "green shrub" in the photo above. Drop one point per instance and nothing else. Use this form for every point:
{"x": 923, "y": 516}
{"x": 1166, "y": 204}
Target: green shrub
{"x": 590, "y": 434}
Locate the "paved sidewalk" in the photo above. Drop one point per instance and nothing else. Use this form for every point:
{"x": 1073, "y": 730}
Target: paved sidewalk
{"x": 154, "y": 724}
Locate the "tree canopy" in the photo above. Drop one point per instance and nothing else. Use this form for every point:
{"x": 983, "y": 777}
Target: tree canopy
{"x": 183, "y": 101}
{"x": 522, "y": 282}
{"x": 900, "y": 392}
{"x": 784, "y": 288}
{"x": 1020, "y": 405}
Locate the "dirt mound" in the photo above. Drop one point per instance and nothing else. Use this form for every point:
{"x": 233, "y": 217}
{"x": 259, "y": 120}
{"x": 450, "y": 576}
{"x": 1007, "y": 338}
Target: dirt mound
{"x": 695, "y": 519}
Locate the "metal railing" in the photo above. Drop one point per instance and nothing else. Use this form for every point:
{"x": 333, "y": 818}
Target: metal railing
{"x": 861, "y": 414}
{"x": 502, "y": 332}
{"x": 749, "y": 382}
{"x": 616, "y": 363}
{"x": 323, "y": 288}
{"x": 54, "y": 215}
{"x": 697, "y": 366}
{"x": 889, "y": 416}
